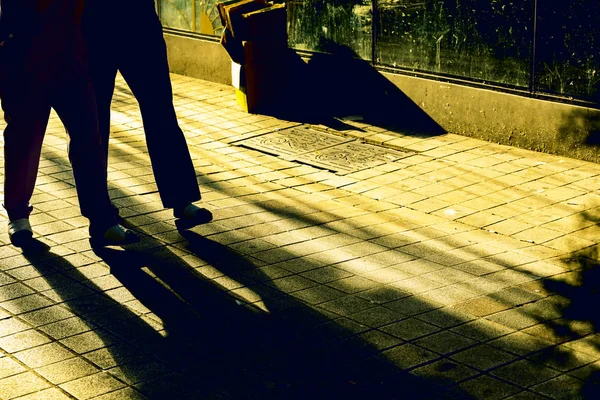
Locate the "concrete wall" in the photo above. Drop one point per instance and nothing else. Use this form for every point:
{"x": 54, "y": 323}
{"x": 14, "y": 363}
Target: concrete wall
{"x": 520, "y": 121}
{"x": 510, "y": 119}
{"x": 201, "y": 59}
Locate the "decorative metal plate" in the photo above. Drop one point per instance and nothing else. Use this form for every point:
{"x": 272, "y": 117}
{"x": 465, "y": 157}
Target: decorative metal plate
{"x": 323, "y": 150}
{"x": 293, "y": 142}
{"x": 351, "y": 157}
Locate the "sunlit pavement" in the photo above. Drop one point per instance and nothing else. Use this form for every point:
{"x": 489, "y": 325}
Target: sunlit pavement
{"x": 465, "y": 270}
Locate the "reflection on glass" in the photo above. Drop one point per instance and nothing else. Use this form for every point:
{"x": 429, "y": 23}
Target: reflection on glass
{"x": 487, "y": 40}
{"x": 200, "y": 16}
{"x": 568, "y": 48}
{"x": 331, "y": 25}
{"x": 484, "y": 40}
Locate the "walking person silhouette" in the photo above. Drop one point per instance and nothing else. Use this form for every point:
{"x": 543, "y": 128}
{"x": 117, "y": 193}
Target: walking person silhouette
{"x": 42, "y": 66}
{"x": 138, "y": 51}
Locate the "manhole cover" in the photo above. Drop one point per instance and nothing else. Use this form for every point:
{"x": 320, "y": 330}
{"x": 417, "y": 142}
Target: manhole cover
{"x": 354, "y": 156}
{"x": 293, "y": 142}
{"x": 323, "y": 150}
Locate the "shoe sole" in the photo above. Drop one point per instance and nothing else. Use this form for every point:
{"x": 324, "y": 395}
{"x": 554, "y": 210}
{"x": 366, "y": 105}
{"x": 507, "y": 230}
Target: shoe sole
{"x": 96, "y": 243}
{"x": 203, "y": 216}
{"x": 21, "y": 238}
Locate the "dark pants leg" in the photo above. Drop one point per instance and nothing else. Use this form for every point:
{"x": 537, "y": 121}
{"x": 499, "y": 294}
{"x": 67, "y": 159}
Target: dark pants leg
{"x": 26, "y": 111}
{"x": 143, "y": 63}
{"x": 75, "y": 104}
{"x": 103, "y": 72}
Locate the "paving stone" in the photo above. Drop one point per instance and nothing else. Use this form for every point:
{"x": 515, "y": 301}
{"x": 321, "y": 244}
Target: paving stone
{"x": 514, "y": 318}
{"x": 564, "y": 387}
{"x": 347, "y": 305}
{"x": 483, "y": 357}
{"x": 379, "y": 339}
{"x": 46, "y": 315}
{"x": 449, "y": 295}
{"x": 375, "y": 317}
{"x": 408, "y": 356}
{"x": 381, "y": 295}
{"x": 88, "y": 341}
{"x": 444, "y": 372}
{"x": 525, "y": 373}
{"x": 122, "y": 394}
{"x": 21, "y": 384}
{"x": 22, "y": 340}
{"x": 520, "y": 343}
{"x": 114, "y": 355}
{"x": 482, "y": 330}
{"x": 445, "y": 317}
{"x": 410, "y": 329}
{"x": 326, "y": 274}
{"x": 47, "y": 394}
{"x": 486, "y": 387}
{"x": 564, "y": 359}
{"x": 497, "y": 302}
{"x": 9, "y": 367}
{"x": 11, "y": 325}
{"x": 524, "y": 395}
{"x": 319, "y": 294}
{"x": 353, "y": 284}
{"x": 444, "y": 342}
{"x": 139, "y": 371}
{"x": 43, "y": 355}
{"x": 92, "y": 385}
{"x": 14, "y": 291}
{"x": 410, "y": 305}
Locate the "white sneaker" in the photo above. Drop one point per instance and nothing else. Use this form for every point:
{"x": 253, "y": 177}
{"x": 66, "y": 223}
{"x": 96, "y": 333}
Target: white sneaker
{"x": 19, "y": 231}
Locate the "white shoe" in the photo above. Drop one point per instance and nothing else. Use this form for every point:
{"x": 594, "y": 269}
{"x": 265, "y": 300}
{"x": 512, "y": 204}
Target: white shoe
{"x": 19, "y": 231}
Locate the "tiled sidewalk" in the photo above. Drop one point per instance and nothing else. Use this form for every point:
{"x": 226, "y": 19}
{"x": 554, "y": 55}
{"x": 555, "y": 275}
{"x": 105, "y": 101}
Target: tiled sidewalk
{"x": 467, "y": 270}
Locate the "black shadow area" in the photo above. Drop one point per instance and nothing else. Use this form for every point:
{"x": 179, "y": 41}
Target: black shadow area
{"x": 580, "y": 320}
{"x": 282, "y": 349}
{"x": 180, "y": 337}
{"x": 335, "y": 86}
{"x": 578, "y": 292}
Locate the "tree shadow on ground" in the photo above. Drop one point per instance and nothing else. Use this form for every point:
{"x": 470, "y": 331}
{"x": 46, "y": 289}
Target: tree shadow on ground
{"x": 579, "y": 322}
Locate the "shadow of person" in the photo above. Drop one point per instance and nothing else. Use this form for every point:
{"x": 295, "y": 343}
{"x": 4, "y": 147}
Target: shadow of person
{"x": 313, "y": 355}
{"x": 172, "y": 352}
{"x": 265, "y": 346}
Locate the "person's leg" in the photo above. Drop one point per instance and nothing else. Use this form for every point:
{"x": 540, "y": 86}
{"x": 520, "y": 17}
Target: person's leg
{"x": 75, "y": 104}
{"x": 145, "y": 69}
{"x": 103, "y": 72}
{"x": 26, "y": 115}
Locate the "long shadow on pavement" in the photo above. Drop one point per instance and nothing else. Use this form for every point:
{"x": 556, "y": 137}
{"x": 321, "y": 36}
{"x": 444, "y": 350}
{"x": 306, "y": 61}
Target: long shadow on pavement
{"x": 217, "y": 347}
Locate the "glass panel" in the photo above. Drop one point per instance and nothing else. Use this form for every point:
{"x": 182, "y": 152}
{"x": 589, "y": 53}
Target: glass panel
{"x": 331, "y": 26}
{"x": 199, "y": 16}
{"x": 568, "y": 48}
{"x": 489, "y": 40}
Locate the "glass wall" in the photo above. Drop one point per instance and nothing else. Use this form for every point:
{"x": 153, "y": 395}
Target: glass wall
{"x": 198, "y": 16}
{"x": 487, "y": 40}
{"x": 332, "y": 26}
{"x": 568, "y": 48}
{"x": 544, "y": 46}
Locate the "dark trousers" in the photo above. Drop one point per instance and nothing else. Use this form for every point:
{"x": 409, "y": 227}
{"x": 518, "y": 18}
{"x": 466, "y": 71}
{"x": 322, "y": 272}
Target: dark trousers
{"x": 140, "y": 54}
{"x": 26, "y": 104}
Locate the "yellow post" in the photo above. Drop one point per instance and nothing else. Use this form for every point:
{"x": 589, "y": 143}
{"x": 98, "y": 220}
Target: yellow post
{"x": 193, "y": 15}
